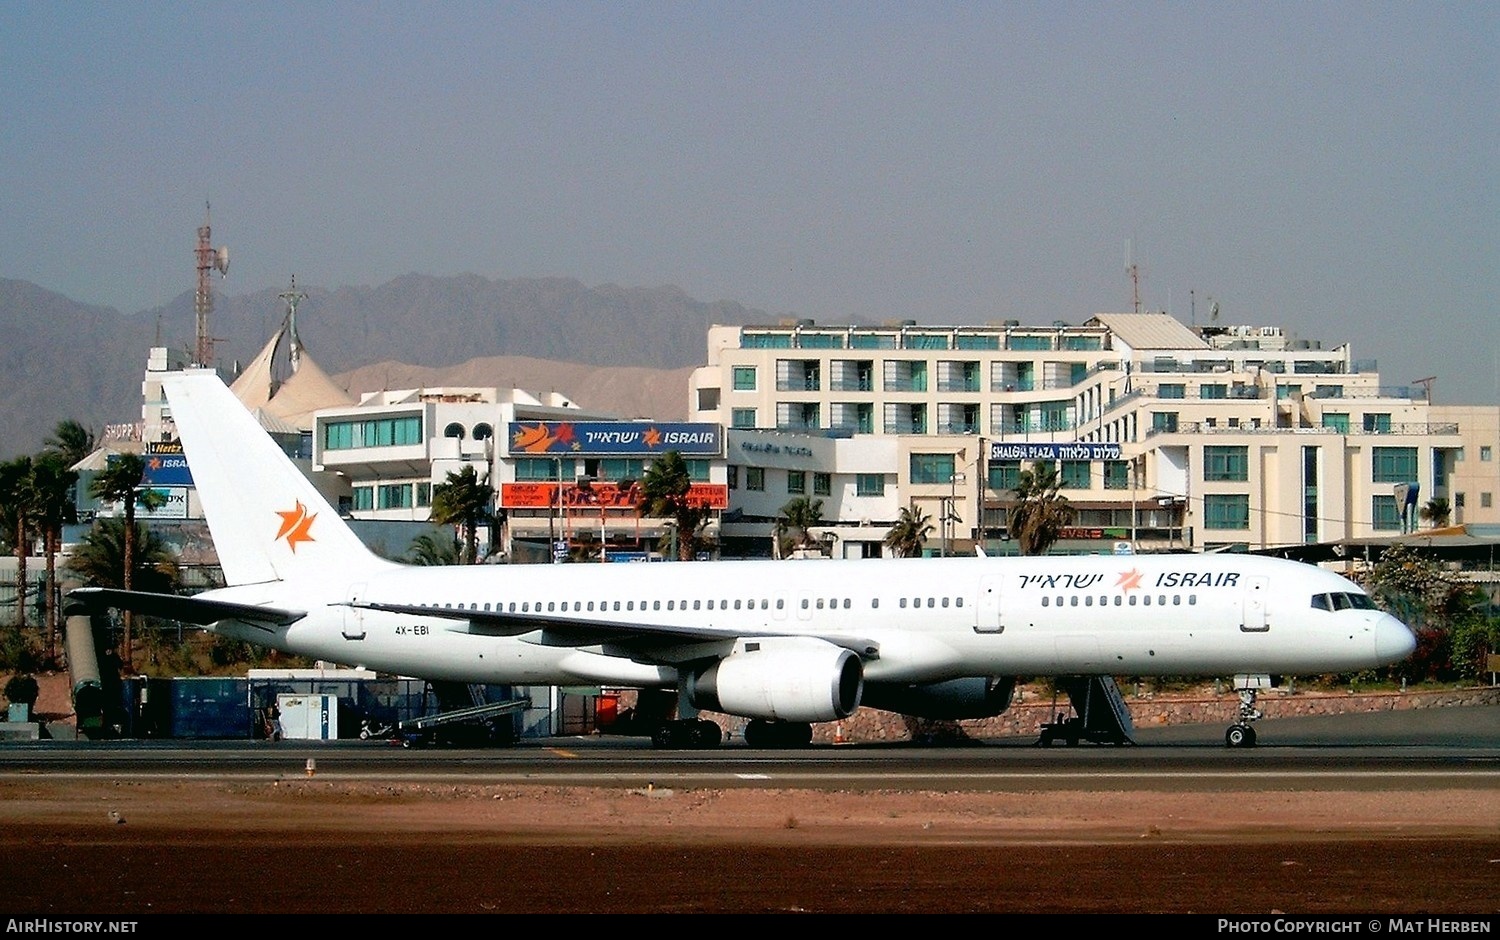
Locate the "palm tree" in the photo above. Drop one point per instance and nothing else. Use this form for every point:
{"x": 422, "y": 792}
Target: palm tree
{"x": 666, "y": 493}
{"x": 464, "y": 502}
{"x": 1040, "y": 513}
{"x": 429, "y": 549}
{"x": 100, "y": 560}
{"x": 120, "y": 483}
{"x": 1437, "y": 512}
{"x": 906, "y": 537}
{"x": 794, "y": 524}
{"x": 17, "y": 498}
{"x": 71, "y": 441}
{"x": 54, "y": 491}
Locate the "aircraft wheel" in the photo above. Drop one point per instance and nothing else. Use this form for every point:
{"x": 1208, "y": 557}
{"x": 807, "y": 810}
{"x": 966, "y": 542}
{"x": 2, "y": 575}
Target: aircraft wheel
{"x": 1240, "y": 736}
{"x": 706, "y": 734}
{"x": 757, "y": 733}
{"x": 665, "y": 737}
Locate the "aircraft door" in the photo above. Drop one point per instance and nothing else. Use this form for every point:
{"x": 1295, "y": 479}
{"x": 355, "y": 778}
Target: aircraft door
{"x": 987, "y": 613}
{"x": 354, "y": 617}
{"x": 804, "y": 604}
{"x": 1255, "y": 606}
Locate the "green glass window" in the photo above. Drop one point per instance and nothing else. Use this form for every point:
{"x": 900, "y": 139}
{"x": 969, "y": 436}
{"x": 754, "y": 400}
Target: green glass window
{"x": 1226, "y": 463}
{"x": 1117, "y": 474}
{"x": 1393, "y": 465}
{"x": 1385, "y": 516}
{"x": 393, "y": 496}
{"x": 931, "y": 468}
{"x": 1074, "y": 474}
{"x": 533, "y": 469}
{"x": 744, "y": 378}
{"x": 378, "y": 432}
{"x": 1004, "y": 474}
{"x": 1226, "y": 511}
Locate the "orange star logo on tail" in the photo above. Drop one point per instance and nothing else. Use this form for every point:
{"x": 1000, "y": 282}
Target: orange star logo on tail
{"x": 1129, "y": 580}
{"x": 296, "y": 526}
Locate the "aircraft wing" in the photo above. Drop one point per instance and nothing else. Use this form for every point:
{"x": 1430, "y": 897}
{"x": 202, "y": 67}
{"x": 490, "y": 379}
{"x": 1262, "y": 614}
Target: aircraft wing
{"x": 566, "y": 631}
{"x": 186, "y": 609}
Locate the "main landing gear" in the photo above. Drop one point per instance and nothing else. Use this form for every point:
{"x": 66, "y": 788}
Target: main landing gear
{"x": 759, "y": 733}
{"x": 687, "y": 734}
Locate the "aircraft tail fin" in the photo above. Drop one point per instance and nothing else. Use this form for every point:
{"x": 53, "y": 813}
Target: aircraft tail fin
{"x": 268, "y": 521}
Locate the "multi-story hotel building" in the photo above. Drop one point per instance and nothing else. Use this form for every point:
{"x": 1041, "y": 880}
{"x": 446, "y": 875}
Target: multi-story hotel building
{"x": 1206, "y": 438}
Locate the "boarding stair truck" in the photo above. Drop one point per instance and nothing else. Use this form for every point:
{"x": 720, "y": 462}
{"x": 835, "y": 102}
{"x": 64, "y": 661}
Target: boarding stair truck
{"x": 474, "y": 715}
{"x": 1099, "y": 715}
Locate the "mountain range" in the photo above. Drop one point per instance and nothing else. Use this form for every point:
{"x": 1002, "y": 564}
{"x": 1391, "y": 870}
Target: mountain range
{"x": 621, "y": 350}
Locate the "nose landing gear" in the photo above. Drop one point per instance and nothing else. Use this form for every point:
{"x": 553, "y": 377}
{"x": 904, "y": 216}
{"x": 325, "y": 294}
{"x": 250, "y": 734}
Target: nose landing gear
{"x": 1241, "y": 734}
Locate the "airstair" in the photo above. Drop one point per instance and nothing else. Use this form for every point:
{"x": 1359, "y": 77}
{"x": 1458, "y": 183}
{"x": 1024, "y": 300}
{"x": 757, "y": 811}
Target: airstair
{"x": 1100, "y": 713}
{"x": 464, "y": 715}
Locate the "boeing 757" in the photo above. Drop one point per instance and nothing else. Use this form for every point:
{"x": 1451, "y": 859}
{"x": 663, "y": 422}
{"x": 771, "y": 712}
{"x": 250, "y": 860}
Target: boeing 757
{"x": 780, "y": 643}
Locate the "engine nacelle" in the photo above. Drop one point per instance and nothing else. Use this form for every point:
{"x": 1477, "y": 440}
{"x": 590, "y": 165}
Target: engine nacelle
{"x": 786, "y": 678}
{"x": 975, "y": 697}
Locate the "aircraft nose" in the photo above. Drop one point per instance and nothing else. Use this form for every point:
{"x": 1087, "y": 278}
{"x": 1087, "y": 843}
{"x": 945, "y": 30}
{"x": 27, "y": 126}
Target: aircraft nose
{"x": 1394, "y": 641}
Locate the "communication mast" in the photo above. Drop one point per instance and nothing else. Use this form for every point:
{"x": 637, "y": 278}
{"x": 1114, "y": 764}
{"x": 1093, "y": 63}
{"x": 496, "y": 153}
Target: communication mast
{"x": 210, "y": 259}
{"x": 1134, "y": 273}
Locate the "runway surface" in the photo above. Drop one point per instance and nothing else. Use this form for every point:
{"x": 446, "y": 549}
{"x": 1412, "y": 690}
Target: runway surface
{"x": 1449, "y": 747}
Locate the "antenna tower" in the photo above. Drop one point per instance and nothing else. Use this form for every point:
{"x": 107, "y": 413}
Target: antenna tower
{"x": 1134, "y": 272}
{"x": 209, "y": 259}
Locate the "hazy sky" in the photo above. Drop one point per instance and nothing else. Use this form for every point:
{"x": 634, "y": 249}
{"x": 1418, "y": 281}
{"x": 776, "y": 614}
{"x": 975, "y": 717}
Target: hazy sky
{"x": 1328, "y": 167}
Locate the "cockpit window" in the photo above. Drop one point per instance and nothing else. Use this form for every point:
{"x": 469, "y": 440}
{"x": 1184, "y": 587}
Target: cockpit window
{"x": 1342, "y": 601}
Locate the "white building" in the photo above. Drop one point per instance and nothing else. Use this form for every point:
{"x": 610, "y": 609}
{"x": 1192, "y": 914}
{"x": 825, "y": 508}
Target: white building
{"x": 1215, "y": 437}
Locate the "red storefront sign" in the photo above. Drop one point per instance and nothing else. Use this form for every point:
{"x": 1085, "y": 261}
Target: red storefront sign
{"x": 600, "y": 496}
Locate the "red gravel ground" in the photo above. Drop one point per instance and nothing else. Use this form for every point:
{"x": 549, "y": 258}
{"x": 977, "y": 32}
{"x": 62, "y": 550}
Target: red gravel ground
{"x": 304, "y": 846}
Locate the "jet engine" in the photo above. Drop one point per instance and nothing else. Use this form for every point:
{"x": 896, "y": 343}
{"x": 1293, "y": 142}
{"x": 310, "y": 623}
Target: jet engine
{"x": 781, "y": 678}
{"x": 974, "y": 697}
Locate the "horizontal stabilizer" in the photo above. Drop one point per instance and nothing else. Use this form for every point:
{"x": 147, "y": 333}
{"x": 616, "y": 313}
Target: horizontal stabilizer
{"x": 184, "y": 609}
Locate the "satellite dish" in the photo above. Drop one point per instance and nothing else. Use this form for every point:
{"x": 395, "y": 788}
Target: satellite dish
{"x": 221, "y": 260}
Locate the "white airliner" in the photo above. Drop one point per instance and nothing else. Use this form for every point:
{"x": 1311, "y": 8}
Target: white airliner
{"x": 782, "y": 643}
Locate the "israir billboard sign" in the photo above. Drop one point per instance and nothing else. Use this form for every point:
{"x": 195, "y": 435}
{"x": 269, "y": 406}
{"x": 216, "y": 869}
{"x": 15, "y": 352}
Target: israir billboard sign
{"x": 1025, "y": 450}
{"x": 166, "y": 465}
{"x": 616, "y": 438}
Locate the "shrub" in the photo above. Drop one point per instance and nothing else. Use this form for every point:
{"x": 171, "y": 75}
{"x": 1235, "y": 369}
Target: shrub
{"x": 21, "y": 689}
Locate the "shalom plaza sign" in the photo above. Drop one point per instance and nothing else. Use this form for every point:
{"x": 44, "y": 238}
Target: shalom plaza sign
{"x": 1026, "y": 450}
